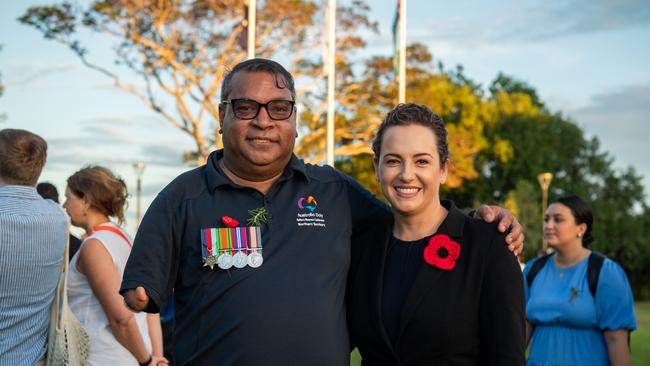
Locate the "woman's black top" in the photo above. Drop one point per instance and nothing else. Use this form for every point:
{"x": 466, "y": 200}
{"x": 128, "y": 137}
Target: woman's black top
{"x": 402, "y": 263}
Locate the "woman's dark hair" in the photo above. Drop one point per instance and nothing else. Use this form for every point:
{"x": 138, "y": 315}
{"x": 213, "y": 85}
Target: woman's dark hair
{"x": 101, "y": 189}
{"x": 48, "y": 190}
{"x": 582, "y": 213}
{"x": 406, "y": 114}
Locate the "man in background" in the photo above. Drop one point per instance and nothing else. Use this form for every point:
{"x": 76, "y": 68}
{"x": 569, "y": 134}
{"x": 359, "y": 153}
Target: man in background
{"x": 48, "y": 191}
{"x": 32, "y": 243}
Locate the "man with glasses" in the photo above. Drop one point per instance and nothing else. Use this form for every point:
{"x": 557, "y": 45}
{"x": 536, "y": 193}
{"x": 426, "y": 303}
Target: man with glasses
{"x": 256, "y": 243}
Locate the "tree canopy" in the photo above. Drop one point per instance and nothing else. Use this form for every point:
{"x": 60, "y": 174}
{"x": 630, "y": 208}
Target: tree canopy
{"x": 178, "y": 51}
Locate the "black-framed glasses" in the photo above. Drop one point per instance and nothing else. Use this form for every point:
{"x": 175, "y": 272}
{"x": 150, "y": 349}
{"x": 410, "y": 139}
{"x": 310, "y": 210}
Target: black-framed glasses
{"x": 249, "y": 109}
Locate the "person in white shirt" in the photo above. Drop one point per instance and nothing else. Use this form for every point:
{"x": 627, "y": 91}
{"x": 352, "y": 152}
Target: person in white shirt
{"x": 117, "y": 336}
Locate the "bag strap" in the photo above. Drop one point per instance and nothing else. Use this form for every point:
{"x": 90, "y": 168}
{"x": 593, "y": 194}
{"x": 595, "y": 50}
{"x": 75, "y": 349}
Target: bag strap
{"x": 60, "y": 299}
{"x": 596, "y": 261}
{"x": 113, "y": 230}
{"x": 534, "y": 270}
{"x": 594, "y": 266}
{"x": 66, "y": 259}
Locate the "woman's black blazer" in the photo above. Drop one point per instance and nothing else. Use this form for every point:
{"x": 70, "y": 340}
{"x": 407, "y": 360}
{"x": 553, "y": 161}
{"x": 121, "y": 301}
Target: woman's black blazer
{"x": 470, "y": 315}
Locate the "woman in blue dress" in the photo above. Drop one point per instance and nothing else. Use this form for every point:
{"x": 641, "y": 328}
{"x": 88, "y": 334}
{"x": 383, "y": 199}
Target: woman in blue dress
{"x": 566, "y": 325}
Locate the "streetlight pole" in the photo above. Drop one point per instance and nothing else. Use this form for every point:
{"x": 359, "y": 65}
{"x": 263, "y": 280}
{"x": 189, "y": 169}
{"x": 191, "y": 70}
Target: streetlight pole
{"x": 402, "y": 51}
{"x": 138, "y": 168}
{"x": 252, "y": 10}
{"x": 331, "y": 77}
{"x": 544, "y": 182}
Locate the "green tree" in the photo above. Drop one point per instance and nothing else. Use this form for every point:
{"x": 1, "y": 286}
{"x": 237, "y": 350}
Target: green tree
{"x": 510, "y": 85}
{"x": 373, "y": 93}
{"x": 540, "y": 141}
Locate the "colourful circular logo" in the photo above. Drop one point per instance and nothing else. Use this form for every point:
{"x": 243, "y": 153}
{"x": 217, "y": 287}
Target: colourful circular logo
{"x": 308, "y": 203}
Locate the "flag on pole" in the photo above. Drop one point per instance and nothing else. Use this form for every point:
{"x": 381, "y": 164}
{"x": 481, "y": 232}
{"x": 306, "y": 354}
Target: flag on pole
{"x": 396, "y": 21}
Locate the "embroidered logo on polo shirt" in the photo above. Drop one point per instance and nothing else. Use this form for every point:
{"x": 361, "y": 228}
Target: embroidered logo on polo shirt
{"x": 308, "y": 203}
{"x": 306, "y": 214}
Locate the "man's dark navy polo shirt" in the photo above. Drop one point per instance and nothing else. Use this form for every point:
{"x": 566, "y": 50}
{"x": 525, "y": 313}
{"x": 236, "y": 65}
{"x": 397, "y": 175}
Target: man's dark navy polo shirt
{"x": 289, "y": 311}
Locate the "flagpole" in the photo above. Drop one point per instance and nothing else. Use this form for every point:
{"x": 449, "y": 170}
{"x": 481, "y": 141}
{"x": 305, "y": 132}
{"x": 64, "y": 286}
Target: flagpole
{"x": 402, "y": 51}
{"x": 331, "y": 49}
{"x": 252, "y": 7}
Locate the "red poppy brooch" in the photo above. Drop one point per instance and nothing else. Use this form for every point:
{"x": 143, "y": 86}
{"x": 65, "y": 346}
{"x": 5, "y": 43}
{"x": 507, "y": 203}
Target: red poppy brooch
{"x": 442, "y": 252}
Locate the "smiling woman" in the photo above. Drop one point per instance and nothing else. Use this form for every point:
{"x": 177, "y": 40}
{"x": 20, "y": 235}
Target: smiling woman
{"x": 441, "y": 287}
{"x": 411, "y": 174}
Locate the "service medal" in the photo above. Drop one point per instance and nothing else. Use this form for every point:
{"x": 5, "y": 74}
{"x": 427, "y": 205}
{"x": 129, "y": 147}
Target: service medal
{"x": 224, "y": 261}
{"x": 255, "y": 260}
{"x": 210, "y": 261}
{"x": 240, "y": 259}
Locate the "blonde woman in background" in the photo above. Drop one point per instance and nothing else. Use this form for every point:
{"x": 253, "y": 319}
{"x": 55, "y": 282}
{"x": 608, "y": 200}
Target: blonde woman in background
{"x": 117, "y": 335}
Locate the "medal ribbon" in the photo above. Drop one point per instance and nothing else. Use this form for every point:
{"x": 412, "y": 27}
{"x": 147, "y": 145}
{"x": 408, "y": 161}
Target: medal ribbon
{"x": 206, "y": 246}
{"x": 225, "y": 241}
{"x": 240, "y": 239}
{"x": 244, "y": 238}
{"x": 214, "y": 246}
{"x": 230, "y": 240}
{"x": 255, "y": 236}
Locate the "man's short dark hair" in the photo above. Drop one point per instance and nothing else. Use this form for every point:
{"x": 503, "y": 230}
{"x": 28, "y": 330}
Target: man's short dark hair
{"x": 22, "y": 156}
{"x": 283, "y": 78}
{"x": 48, "y": 190}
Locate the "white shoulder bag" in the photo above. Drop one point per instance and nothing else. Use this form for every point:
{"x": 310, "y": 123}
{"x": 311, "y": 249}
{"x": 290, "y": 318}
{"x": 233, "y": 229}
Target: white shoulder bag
{"x": 67, "y": 343}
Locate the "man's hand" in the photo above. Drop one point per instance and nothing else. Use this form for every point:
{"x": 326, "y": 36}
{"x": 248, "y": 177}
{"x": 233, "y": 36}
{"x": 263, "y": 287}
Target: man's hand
{"x": 137, "y": 299}
{"x": 506, "y": 219}
{"x": 158, "y": 360}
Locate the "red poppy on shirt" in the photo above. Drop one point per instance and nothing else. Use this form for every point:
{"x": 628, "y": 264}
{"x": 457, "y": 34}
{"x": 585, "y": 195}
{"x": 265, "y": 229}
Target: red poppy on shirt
{"x": 442, "y": 252}
{"x": 229, "y": 221}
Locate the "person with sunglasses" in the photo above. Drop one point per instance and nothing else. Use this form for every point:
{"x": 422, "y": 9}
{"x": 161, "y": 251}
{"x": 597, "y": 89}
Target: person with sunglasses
{"x": 256, "y": 243}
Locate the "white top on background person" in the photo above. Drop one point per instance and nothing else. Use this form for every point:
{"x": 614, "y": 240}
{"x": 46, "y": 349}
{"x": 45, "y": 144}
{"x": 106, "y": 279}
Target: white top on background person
{"x": 105, "y": 349}
{"x": 117, "y": 336}
{"x": 32, "y": 243}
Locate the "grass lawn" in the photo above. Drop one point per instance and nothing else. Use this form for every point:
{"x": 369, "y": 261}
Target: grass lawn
{"x": 640, "y": 338}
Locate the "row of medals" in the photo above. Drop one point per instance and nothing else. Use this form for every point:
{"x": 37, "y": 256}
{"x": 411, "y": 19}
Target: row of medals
{"x": 238, "y": 260}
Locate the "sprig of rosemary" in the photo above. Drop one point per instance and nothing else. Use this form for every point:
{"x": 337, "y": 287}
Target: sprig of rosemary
{"x": 258, "y": 217}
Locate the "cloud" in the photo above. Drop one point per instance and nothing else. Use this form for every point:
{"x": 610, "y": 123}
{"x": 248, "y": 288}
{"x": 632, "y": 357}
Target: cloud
{"x": 107, "y": 139}
{"x": 623, "y": 112}
{"x": 620, "y": 120}
{"x": 28, "y": 74}
{"x": 163, "y": 154}
{"x": 540, "y": 21}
